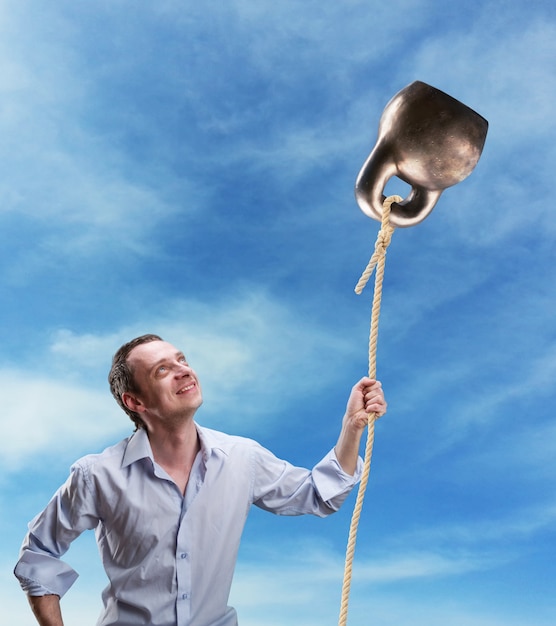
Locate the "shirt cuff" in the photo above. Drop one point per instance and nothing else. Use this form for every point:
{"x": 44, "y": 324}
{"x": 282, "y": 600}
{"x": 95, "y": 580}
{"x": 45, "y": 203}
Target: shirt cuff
{"x": 332, "y": 482}
{"x": 42, "y": 574}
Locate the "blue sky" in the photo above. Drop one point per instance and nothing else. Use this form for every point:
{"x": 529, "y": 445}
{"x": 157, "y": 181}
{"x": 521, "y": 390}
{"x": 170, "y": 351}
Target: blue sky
{"x": 188, "y": 169}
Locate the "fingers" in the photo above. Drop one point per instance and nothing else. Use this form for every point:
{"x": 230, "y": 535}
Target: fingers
{"x": 373, "y": 396}
{"x": 366, "y": 398}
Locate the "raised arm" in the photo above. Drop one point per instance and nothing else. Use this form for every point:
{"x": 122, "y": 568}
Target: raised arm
{"x": 365, "y": 397}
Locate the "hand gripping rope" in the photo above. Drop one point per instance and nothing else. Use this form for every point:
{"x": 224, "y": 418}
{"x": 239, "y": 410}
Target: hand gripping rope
{"x": 431, "y": 141}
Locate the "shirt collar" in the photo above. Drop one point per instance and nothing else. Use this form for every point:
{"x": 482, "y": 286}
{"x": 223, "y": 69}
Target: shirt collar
{"x": 211, "y": 441}
{"x": 139, "y": 447}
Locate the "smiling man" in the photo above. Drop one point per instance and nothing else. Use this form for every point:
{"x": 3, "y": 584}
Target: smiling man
{"x": 169, "y": 503}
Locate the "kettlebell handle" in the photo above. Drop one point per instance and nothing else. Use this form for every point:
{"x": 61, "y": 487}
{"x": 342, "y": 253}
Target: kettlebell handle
{"x": 427, "y": 139}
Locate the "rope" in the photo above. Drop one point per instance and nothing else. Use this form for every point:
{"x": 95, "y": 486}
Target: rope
{"x": 378, "y": 260}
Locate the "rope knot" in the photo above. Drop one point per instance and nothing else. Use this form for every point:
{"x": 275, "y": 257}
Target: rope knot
{"x": 383, "y": 240}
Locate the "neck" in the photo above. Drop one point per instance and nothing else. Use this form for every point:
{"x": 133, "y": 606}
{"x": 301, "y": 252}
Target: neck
{"x": 175, "y": 450}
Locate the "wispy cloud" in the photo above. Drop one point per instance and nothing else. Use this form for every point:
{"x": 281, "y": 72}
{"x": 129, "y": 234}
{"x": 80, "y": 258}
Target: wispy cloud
{"x": 45, "y": 416}
{"x": 507, "y": 77}
{"x": 302, "y": 583}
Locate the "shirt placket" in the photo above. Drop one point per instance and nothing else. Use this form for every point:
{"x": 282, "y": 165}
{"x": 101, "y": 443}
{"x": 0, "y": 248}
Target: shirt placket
{"x": 183, "y": 573}
{"x": 183, "y": 547}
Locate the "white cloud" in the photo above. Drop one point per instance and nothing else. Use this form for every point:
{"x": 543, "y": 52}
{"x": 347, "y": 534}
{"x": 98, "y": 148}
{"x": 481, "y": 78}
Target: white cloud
{"x": 41, "y": 415}
{"x": 301, "y": 583}
{"x": 82, "y": 350}
{"x": 501, "y": 67}
{"x": 73, "y": 181}
{"x": 529, "y": 443}
{"x": 254, "y": 357}
{"x": 414, "y": 564}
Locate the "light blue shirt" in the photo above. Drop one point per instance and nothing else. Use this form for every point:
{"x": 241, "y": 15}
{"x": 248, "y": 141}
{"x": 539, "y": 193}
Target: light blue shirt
{"x": 170, "y": 558}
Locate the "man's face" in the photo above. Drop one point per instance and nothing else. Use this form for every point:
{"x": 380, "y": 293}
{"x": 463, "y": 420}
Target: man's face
{"x": 168, "y": 387}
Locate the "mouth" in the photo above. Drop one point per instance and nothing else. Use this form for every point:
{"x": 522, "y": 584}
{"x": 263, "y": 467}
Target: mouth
{"x": 186, "y": 389}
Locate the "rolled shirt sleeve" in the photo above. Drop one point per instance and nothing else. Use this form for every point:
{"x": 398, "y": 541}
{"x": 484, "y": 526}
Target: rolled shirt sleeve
{"x": 34, "y": 566}
{"x": 40, "y": 569}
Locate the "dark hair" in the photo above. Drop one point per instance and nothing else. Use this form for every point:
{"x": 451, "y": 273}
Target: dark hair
{"x": 121, "y": 378}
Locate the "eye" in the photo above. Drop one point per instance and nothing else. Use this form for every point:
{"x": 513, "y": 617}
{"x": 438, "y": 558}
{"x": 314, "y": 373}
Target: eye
{"x": 162, "y": 369}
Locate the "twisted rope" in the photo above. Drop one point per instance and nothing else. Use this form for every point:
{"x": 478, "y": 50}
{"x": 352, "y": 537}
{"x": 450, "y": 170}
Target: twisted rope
{"x": 378, "y": 260}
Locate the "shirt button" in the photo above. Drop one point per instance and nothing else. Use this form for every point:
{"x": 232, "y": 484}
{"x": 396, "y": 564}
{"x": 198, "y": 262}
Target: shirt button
{"x": 183, "y": 555}
{"x": 185, "y": 596}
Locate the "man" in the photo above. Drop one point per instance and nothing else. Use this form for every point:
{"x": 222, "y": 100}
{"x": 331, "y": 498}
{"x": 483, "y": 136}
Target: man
{"x": 169, "y": 503}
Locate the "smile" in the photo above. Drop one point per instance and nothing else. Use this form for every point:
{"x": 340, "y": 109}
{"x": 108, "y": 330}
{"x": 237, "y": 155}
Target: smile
{"x": 186, "y": 389}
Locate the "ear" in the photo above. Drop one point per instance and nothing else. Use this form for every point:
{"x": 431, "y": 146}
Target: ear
{"x": 132, "y": 402}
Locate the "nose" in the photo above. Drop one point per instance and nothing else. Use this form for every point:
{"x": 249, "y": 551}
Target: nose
{"x": 182, "y": 369}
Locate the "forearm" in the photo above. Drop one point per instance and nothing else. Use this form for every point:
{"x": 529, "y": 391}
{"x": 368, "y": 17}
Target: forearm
{"x": 347, "y": 448}
{"x": 47, "y": 610}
